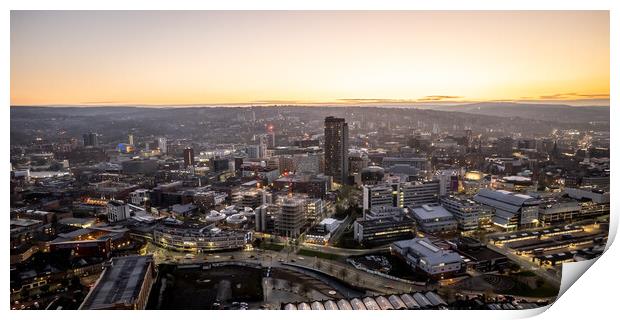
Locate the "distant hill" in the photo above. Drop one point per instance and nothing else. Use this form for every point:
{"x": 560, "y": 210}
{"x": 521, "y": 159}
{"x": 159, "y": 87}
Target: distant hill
{"x": 547, "y": 112}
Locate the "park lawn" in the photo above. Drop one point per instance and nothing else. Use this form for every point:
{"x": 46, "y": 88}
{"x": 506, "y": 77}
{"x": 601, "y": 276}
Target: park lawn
{"x": 322, "y": 255}
{"x": 271, "y": 246}
{"x": 526, "y": 273}
{"x": 544, "y": 291}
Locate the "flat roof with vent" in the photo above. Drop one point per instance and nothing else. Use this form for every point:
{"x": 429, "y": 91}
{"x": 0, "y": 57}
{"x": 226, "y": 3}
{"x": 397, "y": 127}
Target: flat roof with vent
{"x": 119, "y": 284}
{"x": 423, "y": 247}
{"x": 430, "y": 212}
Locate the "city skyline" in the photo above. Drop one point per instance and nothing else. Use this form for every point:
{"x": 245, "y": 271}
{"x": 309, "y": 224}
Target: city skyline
{"x": 251, "y": 208}
{"x": 285, "y": 57}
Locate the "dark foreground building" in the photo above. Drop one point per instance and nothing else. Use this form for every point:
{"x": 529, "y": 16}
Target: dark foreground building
{"x": 124, "y": 284}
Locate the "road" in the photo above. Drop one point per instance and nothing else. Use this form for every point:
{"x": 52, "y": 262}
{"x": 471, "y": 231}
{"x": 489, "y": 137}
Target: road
{"x": 529, "y": 265}
{"x": 52, "y": 302}
{"x": 343, "y": 251}
{"x": 526, "y": 263}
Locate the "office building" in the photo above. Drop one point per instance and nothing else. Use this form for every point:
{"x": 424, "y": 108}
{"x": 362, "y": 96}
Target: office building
{"x": 162, "y": 144}
{"x": 90, "y": 241}
{"x": 382, "y": 212}
{"x": 337, "y": 149}
{"x": 560, "y": 210}
{"x": 315, "y": 186}
{"x": 383, "y": 225}
{"x": 139, "y": 197}
{"x": 188, "y": 157}
{"x": 263, "y": 143}
{"x": 253, "y": 151}
{"x": 117, "y": 211}
{"x": 91, "y": 139}
{"x": 478, "y": 257}
{"x": 265, "y": 217}
{"x": 198, "y": 238}
{"x": 220, "y": 165}
{"x": 357, "y": 162}
{"x": 322, "y": 231}
{"x": 418, "y": 193}
{"x": 257, "y": 170}
{"x": 504, "y": 146}
{"x": 139, "y": 166}
{"x": 291, "y": 219}
{"x": 595, "y": 195}
{"x": 510, "y": 210}
{"x": 400, "y": 194}
{"x": 372, "y": 175}
{"x": 433, "y": 218}
{"x": 421, "y": 254}
{"x": 448, "y": 181}
{"x": 251, "y": 198}
{"x": 315, "y": 209}
{"x": 379, "y": 196}
{"x": 466, "y": 211}
{"x": 595, "y": 202}
{"x": 260, "y": 218}
{"x": 418, "y": 163}
{"x": 308, "y": 163}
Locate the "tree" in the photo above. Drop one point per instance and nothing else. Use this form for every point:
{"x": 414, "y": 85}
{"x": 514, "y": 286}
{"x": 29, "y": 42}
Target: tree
{"x": 358, "y": 278}
{"x": 539, "y": 283}
{"x": 257, "y": 242}
{"x": 330, "y": 268}
{"x": 305, "y": 291}
{"x": 319, "y": 264}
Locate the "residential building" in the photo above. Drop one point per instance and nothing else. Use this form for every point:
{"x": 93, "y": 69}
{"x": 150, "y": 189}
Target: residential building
{"x": 337, "y": 149}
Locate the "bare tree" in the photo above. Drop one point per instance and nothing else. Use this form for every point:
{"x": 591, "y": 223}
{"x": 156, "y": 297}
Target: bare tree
{"x": 330, "y": 268}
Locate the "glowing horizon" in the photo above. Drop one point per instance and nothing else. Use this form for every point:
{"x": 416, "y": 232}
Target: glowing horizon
{"x": 308, "y": 58}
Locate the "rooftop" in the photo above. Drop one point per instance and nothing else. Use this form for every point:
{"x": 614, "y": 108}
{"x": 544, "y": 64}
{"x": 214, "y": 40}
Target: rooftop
{"x": 418, "y": 300}
{"x": 466, "y": 201}
{"x": 431, "y": 253}
{"x": 23, "y": 222}
{"x": 431, "y": 212}
{"x": 508, "y": 197}
{"x": 509, "y": 202}
{"x": 328, "y": 221}
{"x": 120, "y": 283}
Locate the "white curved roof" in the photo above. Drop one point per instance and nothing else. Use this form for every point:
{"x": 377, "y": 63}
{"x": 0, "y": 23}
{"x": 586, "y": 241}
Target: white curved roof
{"x": 215, "y": 216}
{"x": 236, "y": 218}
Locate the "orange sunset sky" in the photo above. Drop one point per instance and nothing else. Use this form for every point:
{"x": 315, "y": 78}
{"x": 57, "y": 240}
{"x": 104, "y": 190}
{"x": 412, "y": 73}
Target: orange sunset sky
{"x": 311, "y": 57}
